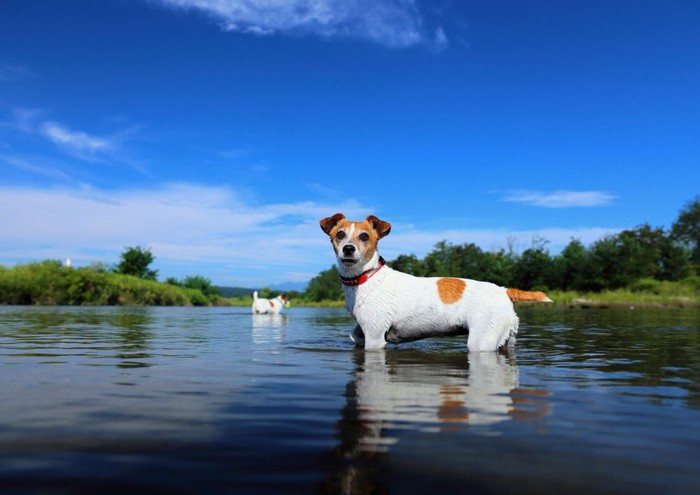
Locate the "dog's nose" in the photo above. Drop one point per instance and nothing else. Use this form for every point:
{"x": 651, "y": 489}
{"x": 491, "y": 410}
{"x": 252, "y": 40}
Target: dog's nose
{"x": 348, "y": 249}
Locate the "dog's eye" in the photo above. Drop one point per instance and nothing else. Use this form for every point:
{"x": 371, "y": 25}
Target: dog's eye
{"x": 364, "y": 237}
{"x": 340, "y": 235}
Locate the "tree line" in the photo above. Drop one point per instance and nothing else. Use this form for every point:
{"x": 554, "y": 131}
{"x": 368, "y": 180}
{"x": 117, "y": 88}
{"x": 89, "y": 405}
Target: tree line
{"x": 613, "y": 262}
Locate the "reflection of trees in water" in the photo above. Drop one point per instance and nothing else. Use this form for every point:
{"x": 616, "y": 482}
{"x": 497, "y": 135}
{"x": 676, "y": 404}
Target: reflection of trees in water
{"x": 398, "y": 390}
{"x": 639, "y": 348}
{"x": 90, "y": 332}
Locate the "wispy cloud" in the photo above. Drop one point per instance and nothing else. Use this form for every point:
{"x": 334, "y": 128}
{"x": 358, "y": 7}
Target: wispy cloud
{"x": 391, "y": 23}
{"x": 46, "y": 136}
{"x": 38, "y": 168}
{"x": 561, "y": 198}
{"x": 13, "y": 72}
{"x": 72, "y": 140}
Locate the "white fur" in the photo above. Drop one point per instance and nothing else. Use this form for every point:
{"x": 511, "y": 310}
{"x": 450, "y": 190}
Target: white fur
{"x": 405, "y": 308}
{"x": 268, "y": 306}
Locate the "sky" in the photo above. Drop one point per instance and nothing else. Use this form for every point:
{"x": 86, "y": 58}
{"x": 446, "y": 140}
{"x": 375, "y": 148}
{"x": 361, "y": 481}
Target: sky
{"x": 217, "y": 133}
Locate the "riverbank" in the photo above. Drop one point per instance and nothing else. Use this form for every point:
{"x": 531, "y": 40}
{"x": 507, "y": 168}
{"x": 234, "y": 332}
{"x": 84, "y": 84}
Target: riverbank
{"x": 643, "y": 293}
{"x": 622, "y": 298}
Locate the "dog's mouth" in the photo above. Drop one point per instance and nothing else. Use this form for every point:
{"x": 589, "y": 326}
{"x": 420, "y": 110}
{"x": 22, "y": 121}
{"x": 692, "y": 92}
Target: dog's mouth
{"x": 348, "y": 261}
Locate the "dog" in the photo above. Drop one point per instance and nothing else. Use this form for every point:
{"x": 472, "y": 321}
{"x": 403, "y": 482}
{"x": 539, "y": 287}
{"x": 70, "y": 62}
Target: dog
{"x": 269, "y": 306}
{"x": 391, "y": 306}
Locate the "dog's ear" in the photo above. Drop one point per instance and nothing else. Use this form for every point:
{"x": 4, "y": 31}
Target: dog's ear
{"x": 380, "y": 226}
{"x": 327, "y": 224}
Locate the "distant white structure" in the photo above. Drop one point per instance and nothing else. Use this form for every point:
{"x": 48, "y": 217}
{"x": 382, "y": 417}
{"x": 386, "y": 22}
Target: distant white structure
{"x": 68, "y": 263}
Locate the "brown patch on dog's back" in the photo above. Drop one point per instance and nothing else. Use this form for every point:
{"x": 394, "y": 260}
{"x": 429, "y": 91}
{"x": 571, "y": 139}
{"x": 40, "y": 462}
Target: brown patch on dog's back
{"x": 272, "y": 305}
{"x": 450, "y": 290}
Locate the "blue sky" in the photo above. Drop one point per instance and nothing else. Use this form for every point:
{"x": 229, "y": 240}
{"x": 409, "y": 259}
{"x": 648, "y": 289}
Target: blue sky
{"x": 218, "y": 132}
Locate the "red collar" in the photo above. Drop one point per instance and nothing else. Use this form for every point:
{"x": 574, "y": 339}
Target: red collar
{"x": 363, "y": 277}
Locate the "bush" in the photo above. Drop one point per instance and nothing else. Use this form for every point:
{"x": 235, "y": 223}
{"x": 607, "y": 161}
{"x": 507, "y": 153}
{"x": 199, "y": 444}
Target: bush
{"x": 49, "y": 282}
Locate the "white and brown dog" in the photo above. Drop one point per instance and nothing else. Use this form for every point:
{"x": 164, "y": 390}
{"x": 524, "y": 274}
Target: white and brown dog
{"x": 391, "y": 306}
{"x": 269, "y": 306}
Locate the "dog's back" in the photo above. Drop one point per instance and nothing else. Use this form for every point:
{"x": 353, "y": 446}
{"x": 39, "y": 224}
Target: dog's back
{"x": 264, "y": 306}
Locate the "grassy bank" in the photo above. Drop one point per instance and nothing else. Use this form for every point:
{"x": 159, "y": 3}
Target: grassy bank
{"x": 49, "y": 282}
{"x": 643, "y": 293}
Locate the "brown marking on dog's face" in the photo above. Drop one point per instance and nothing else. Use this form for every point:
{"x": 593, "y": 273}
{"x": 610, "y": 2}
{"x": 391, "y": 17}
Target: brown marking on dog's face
{"x": 450, "y": 290}
{"x": 363, "y": 236}
{"x": 283, "y": 298}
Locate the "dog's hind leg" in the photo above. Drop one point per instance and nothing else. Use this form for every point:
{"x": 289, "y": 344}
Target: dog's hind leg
{"x": 489, "y": 332}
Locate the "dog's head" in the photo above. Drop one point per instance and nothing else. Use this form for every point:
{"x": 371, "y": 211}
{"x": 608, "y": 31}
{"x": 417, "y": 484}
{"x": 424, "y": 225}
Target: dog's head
{"x": 355, "y": 243}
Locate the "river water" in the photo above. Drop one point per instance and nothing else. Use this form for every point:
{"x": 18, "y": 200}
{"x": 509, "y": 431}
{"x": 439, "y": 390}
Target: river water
{"x": 216, "y": 400}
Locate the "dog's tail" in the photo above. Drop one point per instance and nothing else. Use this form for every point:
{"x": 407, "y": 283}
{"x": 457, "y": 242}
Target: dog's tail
{"x": 255, "y": 295}
{"x": 524, "y": 295}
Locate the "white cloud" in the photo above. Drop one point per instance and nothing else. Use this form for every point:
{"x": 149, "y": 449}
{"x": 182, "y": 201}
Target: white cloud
{"x": 392, "y": 23}
{"x": 48, "y": 136}
{"x": 211, "y": 231}
{"x": 561, "y": 198}
{"x": 30, "y": 121}
{"x": 76, "y": 141}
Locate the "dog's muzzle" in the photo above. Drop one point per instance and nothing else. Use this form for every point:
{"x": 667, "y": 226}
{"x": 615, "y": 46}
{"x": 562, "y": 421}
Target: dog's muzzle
{"x": 349, "y": 254}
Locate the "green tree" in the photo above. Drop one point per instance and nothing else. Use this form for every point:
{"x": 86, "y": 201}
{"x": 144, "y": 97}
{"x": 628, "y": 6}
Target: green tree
{"x": 645, "y": 252}
{"x": 464, "y": 261}
{"x": 325, "y": 286}
{"x": 267, "y": 293}
{"x": 202, "y": 284}
{"x": 136, "y": 261}
{"x": 573, "y": 269}
{"x": 408, "y": 263}
{"x": 534, "y": 269}
{"x": 497, "y": 267}
{"x": 449, "y": 260}
{"x": 686, "y": 228}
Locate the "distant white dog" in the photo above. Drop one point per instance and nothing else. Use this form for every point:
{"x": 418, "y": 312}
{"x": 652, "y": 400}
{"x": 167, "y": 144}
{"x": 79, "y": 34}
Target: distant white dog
{"x": 268, "y": 306}
{"x": 391, "y": 306}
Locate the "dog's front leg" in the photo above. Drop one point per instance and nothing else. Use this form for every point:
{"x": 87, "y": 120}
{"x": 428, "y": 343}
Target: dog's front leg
{"x": 374, "y": 333}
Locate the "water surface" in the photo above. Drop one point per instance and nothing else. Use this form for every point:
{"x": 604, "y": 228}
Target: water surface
{"x": 216, "y": 400}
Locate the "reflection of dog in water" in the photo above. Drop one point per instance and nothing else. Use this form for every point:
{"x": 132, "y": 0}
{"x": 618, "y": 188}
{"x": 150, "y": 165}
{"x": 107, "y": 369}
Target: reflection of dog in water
{"x": 395, "y": 393}
{"x": 274, "y": 306}
{"x": 435, "y": 393}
